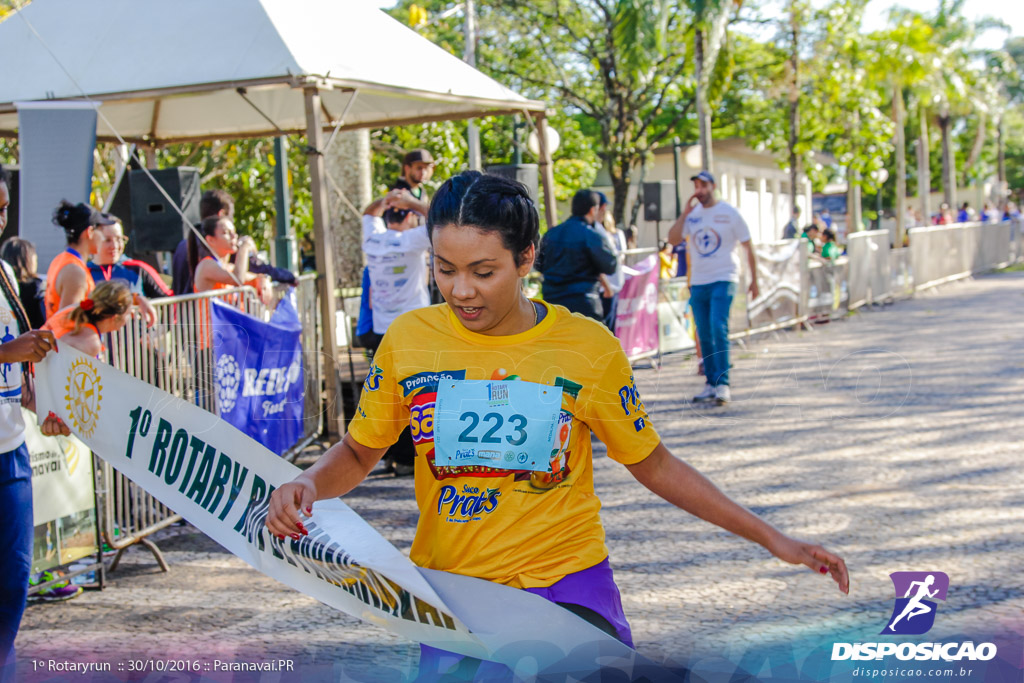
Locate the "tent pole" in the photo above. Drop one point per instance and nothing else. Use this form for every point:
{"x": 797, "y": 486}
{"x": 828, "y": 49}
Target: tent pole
{"x": 547, "y": 174}
{"x": 324, "y": 261}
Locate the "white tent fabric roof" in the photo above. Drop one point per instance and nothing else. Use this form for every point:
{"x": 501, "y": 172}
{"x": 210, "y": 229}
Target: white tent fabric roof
{"x": 169, "y": 70}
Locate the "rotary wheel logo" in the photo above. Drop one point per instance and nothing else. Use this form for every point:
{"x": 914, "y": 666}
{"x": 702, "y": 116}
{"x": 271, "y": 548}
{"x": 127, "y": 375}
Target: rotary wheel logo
{"x": 84, "y": 394}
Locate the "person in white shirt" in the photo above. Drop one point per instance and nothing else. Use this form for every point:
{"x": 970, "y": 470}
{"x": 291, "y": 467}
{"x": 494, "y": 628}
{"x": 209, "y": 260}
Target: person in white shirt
{"x": 611, "y": 284}
{"x": 19, "y": 347}
{"x": 712, "y": 229}
{"x": 396, "y": 245}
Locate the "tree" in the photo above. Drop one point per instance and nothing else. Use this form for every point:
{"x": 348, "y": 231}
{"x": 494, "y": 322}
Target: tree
{"x": 621, "y": 68}
{"x": 901, "y": 55}
{"x": 711, "y": 19}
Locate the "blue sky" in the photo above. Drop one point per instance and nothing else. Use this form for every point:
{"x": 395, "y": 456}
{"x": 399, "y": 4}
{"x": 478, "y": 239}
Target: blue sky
{"x": 1011, "y": 12}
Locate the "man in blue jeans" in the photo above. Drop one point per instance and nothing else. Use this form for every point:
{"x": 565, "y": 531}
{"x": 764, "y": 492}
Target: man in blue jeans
{"x": 712, "y": 229}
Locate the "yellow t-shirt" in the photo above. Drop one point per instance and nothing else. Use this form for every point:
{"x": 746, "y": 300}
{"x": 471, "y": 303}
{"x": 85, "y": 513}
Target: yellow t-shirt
{"x": 515, "y": 527}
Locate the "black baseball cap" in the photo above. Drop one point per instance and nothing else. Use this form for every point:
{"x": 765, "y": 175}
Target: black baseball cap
{"x": 395, "y": 215}
{"x": 418, "y": 155}
{"x": 706, "y": 176}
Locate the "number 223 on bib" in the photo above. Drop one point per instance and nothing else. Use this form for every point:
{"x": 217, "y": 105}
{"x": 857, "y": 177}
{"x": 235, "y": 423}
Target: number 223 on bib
{"x": 508, "y": 425}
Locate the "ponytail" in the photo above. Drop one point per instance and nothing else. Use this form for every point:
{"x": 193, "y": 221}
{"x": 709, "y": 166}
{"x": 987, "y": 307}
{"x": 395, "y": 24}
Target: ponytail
{"x": 109, "y": 298}
{"x": 207, "y": 227}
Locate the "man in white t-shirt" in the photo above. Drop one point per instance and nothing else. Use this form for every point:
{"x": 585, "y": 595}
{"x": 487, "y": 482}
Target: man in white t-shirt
{"x": 712, "y": 229}
{"x": 396, "y": 245}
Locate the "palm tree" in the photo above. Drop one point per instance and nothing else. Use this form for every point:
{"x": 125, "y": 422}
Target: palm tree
{"x": 902, "y": 55}
{"x": 711, "y": 18}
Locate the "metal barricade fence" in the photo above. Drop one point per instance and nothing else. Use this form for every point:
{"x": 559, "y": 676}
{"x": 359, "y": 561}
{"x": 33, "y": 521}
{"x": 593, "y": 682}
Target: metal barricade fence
{"x": 871, "y": 272}
{"x": 944, "y": 253}
{"x": 900, "y": 273}
{"x": 176, "y": 355}
{"x": 1016, "y": 240}
{"x": 870, "y": 277}
{"x": 828, "y": 294}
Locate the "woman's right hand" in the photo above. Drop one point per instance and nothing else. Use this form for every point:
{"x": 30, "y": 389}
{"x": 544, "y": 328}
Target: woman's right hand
{"x": 288, "y": 504}
{"x": 30, "y": 347}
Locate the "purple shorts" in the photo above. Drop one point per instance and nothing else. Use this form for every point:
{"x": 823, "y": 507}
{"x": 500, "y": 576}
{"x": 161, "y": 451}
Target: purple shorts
{"x": 593, "y": 589}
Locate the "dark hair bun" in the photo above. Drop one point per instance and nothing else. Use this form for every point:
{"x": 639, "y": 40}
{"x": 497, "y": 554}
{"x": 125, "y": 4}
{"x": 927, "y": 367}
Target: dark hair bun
{"x": 74, "y": 218}
{"x": 487, "y": 202}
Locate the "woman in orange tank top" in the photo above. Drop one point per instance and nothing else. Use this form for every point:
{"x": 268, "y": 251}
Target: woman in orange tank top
{"x": 84, "y": 324}
{"x": 220, "y": 239}
{"x": 68, "y": 280}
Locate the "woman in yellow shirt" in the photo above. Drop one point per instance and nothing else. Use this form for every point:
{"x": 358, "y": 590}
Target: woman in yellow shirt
{"x": 501, "y": 393}
{"x": 668, "y": 262}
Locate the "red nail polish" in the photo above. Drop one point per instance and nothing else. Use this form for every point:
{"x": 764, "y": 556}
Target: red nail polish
{"x": 309, "y": 510}
{"x": 823, "y": 570}
{"x": 295, "y": 536}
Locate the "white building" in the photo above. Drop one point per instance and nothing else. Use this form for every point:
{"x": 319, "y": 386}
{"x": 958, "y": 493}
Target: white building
{"x": 749, "y": 180}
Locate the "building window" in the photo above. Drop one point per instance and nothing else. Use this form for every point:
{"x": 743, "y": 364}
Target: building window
{"x": 750, "y": 184}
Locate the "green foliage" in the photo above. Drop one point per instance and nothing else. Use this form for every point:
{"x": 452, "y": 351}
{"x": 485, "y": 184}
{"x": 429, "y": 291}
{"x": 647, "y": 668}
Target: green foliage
{"x": 242, "y": 168}
{"x": 617, "y": 71}
{"x": 619, "y": 78}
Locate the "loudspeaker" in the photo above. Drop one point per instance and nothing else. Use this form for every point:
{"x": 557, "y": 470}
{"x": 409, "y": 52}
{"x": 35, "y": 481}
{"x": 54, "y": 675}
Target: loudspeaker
{"x": 11, "y": 229}
{"x": 155, "y": 224}
{"x": 525, "y": 173}
{"x": 660, "y": 201}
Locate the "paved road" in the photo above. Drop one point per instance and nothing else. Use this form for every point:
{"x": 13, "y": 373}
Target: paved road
{"x": 892, "y": 436}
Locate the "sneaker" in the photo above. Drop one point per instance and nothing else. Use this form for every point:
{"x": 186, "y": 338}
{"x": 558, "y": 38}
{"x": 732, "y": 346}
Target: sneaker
{"x": 722, "y": 394}
{"x": 708, "y": 394}
{"x": 58, "y": 591}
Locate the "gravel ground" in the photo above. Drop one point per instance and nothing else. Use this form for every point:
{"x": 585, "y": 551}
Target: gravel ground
{"x": 888, "y": 436}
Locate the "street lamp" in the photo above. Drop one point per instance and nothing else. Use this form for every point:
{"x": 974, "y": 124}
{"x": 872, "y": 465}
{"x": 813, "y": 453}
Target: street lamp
{"x": 553, "y": 140}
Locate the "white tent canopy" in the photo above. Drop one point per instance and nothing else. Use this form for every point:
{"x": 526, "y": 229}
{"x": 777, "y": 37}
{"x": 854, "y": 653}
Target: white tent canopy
{"x": 170, "y": 71}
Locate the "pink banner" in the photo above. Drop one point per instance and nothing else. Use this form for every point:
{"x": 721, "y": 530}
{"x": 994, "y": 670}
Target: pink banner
{"x": 636, "y": 313}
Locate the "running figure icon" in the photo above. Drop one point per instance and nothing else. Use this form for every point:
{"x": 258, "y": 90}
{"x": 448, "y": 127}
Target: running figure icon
{"x": 915, "y": 606}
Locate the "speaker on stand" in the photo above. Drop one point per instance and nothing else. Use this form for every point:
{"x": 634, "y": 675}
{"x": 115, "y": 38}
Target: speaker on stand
{"x": 660, "y": 203}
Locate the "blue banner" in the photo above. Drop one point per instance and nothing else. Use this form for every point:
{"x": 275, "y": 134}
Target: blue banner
{"x": 258, "y": 373}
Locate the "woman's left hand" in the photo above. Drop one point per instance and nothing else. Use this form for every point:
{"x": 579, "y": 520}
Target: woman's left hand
{"x": 54, "y": 426}
{"x": 814, "y": 556}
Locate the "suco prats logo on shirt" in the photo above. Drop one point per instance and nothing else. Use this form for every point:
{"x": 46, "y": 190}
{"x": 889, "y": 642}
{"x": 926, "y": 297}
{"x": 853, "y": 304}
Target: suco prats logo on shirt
{"x": 466, "y": 504}
{"x": 916, "y": 593}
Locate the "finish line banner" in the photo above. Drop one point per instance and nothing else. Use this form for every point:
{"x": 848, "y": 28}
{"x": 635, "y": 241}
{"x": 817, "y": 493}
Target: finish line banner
{"x": 259, "y": 375}
{"x": 220, "y": 481}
